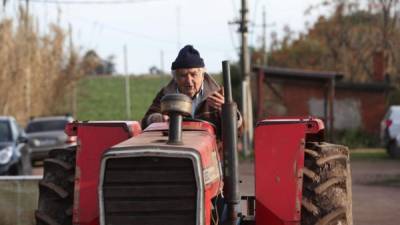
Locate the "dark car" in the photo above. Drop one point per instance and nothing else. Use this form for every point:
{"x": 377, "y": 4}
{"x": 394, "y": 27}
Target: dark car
{"x": 47, "y": 133}
{"x": 14, "y": 153}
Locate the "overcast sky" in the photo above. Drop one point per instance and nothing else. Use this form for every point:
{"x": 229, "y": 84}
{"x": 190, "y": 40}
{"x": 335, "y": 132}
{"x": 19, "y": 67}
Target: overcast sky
{"x": 149, "y": 27}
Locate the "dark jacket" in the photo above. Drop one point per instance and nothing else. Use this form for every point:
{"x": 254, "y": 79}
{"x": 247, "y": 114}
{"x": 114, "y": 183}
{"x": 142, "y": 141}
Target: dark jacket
{"x": 203, "y": 111}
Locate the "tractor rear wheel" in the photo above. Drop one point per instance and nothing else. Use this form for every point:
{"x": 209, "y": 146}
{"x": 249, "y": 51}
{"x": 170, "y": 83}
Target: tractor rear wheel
{"x": 56, "y": 189}
{"x": 326, "y": 185}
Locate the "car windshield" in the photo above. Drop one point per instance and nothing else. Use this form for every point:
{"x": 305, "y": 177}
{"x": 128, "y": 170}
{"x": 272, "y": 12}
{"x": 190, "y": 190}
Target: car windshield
{"x": 5, "y": 131}
{"x": 43, "y": 126}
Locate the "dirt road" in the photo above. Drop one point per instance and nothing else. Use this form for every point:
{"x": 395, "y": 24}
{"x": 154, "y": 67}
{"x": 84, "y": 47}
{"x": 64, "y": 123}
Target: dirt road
{"x": 376, "y": 190}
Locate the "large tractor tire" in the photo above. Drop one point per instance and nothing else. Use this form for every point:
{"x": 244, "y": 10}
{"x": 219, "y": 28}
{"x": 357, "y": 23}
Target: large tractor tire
{"x": 56, "y": 189}
{"x": 327, "y": 197}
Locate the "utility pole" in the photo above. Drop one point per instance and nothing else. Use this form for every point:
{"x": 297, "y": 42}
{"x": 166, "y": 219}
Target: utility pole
{"x": 162, "y": 61}
{"x": 264, "y": 42}
{"x": 178, "y": 27}
{"x": 247, "y": 107}
{"x": 75, "y": 83}
{"x": 127, "y": 91}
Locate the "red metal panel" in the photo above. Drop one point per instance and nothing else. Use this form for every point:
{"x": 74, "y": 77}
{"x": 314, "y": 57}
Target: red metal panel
{"x": 186, "y": 126}
{"x": 313, "y": 125}
{"x": 279, "y": 160}
{"x": 94, "y": 138}
{"x": 197, "y": 136}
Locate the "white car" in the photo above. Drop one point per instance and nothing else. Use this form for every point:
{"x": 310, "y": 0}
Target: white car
{"x": 390, "y": 131}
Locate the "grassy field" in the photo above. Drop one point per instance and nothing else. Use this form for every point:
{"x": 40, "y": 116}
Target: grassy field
{"x": 103, "y": 98}
{"x": 369, "y": 154}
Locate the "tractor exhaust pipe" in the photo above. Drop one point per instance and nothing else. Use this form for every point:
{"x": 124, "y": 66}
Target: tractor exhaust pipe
{"x": 176, "y": 106}
{"x": 175, "y": 129}
{"x": 229, "y": 137}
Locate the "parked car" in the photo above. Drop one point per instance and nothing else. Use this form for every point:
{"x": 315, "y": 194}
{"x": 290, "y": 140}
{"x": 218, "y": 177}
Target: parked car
{"x": 47, "y": 133}
{"x": 390, "y": 131}
{"x": 14, "y": 152}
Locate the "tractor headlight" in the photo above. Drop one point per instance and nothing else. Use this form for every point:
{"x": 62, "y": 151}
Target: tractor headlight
{"x": 5, "y": 154}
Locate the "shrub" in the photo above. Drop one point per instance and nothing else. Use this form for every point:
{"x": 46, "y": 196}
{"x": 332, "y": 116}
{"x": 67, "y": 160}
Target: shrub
{"x": 356, "y": 139}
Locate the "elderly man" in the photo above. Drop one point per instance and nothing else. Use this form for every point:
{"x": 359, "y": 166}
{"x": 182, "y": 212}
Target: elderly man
{"x": 191, "y": 79}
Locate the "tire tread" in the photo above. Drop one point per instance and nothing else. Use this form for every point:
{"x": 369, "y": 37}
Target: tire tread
{"x": 326, "y": 185}
{"x": 56, "y": 189}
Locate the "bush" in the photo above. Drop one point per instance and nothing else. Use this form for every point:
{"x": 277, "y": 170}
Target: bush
{"x": 356, "y": 139}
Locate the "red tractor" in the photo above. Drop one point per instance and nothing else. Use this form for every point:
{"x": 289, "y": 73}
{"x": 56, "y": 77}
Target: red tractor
{"x": 175, "y": 174}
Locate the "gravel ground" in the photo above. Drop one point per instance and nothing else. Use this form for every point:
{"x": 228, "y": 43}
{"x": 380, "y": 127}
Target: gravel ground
{"x": 376, "y": 190}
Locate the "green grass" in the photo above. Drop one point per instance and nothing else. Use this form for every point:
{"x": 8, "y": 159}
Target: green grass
{"x": 357, "y": 139}
{"x": 103, "y": 98}
{"x": 369, "y": 154}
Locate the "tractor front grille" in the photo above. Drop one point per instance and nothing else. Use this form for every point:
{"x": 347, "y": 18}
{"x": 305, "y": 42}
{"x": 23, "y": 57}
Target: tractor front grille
{"x": 149, "y": 191}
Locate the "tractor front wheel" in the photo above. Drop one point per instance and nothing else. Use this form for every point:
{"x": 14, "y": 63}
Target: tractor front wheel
{"x": 326, "y": 185}
{"x": 56, "y": 189}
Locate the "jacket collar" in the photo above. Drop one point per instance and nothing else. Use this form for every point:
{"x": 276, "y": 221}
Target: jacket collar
{"x": 209, "y": 87}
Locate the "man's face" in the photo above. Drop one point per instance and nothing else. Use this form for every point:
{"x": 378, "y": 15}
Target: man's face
{"x": 189, "y": 80}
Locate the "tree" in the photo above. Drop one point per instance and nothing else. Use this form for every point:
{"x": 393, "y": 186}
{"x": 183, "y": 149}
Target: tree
{"x": 344, "y": 41}
{"x": 92, "y": 64}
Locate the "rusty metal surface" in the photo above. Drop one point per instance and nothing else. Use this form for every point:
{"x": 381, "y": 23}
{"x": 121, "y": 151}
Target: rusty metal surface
{"x": 176, "y": 103}
{"x": 285, "y": 73}
{"x": 199, "y": 142}
{"x": 93, "y": 139}
{"x": 312, "y": 125}
{"x": 159, "y": 137}
{"x": 187, "y": 125}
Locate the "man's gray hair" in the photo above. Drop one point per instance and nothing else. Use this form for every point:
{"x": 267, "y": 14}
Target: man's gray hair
{"x": 203, "y": 70}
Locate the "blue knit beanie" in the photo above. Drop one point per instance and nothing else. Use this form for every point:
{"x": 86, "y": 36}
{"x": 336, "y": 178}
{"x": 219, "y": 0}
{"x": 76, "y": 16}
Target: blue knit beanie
{"x": 188, "y": 57}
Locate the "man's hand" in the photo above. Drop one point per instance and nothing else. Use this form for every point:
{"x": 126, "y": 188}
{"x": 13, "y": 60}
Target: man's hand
{"x": 165, "y": 118}
{"x": 216, "y": 100}
{"x": 156, "y": 118}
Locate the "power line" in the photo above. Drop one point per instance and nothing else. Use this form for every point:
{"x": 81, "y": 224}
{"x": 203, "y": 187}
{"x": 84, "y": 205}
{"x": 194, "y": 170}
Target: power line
{"x": 89, "y": 2}
{"x": 142, "y": 36}
{"x": 127, "y": 32}
{"x": 231, "y": 36}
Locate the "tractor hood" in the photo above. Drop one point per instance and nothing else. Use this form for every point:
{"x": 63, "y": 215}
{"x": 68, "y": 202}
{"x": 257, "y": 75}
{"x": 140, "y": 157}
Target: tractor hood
{"x": 185, "y": 177}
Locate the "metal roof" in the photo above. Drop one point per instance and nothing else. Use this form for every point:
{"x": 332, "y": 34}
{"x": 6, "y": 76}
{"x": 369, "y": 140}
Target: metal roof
{"x": 285, "y": 73}
{"x": 6, "y": 118}
{"x": 50, "y": 118}
{"x": 376, "y": 86}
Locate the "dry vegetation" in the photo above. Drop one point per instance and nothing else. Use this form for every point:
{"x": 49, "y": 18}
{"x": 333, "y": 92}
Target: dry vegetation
{"x": 37, "y": 71}
{"x": 345, "y": 41}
